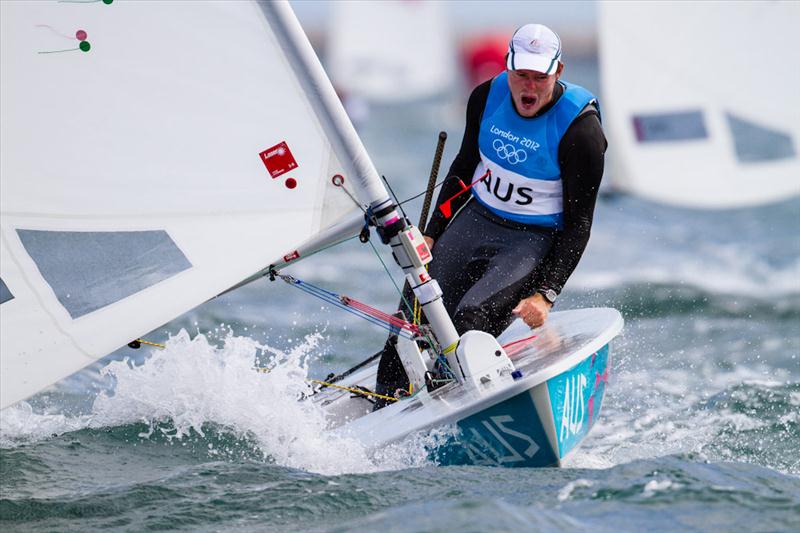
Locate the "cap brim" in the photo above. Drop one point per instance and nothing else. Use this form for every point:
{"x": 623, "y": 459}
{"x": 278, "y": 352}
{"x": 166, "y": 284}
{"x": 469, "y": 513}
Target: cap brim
{"x": 517, "y": 61}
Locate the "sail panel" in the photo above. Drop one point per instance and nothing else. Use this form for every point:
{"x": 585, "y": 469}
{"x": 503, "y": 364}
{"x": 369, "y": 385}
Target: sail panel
{"x": 154, "y": 154}
{"x": 88, "y": 270}
{"x": 699, "y": 101}
{"x": 5, "y": 294}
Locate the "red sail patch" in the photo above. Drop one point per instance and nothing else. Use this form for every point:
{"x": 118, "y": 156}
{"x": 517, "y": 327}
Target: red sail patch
{"x": 278, "y": 159}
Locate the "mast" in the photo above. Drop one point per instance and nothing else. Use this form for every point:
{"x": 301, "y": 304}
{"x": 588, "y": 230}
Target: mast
{"x": 393, "y": 228}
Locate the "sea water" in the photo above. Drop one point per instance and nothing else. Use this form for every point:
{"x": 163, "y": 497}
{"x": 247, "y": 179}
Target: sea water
{"x": 700, "y": 428}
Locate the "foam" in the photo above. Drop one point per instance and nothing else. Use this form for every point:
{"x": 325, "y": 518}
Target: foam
{"x": 194, "y": 381}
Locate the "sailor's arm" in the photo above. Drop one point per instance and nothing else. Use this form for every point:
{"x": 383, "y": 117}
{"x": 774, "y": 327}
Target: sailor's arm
{"x": 582, "y": 157}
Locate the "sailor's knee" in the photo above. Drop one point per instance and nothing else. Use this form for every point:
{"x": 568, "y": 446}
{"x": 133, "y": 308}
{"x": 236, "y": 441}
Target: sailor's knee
{"x": 490, "y": 318}
{"x": 470, "y": 317}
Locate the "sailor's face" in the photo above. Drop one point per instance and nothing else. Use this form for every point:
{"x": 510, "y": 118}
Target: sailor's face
{"x": 532, "y": 90}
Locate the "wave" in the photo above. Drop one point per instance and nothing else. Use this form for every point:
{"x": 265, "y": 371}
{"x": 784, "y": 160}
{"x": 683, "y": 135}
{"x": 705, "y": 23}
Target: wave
{"x": 654, "y": 494}
{"x": 747, "y": 415}
{"x": 652, "y": 299}
{"x": 205, "y": 393}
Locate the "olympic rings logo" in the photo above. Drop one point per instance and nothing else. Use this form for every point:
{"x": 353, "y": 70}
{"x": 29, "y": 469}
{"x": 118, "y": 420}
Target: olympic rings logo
{"x": 509, "y": 152}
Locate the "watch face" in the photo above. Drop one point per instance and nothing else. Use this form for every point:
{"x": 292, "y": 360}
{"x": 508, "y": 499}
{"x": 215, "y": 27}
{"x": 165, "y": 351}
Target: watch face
{"x": 550, "y": 295}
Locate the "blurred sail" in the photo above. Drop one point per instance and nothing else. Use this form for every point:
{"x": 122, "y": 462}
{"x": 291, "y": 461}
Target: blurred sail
{"x": 390, "y": 51}
{"x": 154, "y": 154}
{"x": 700, "y": 100}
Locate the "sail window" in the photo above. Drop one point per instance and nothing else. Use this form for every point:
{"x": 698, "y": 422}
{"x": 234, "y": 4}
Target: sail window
{"x": 661, "y": 127}
{"x": 5, "y": 294}
{"x": 753, "y": 142}
{"x": 89, "y": 270}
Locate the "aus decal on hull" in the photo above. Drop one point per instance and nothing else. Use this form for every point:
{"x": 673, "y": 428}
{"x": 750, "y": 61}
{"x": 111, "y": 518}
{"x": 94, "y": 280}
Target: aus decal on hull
{"x": 508, "y": 453}
{"x": 508, "y": 434}
{"x": 576, "y": 396}
{"x": 574, "y": 409}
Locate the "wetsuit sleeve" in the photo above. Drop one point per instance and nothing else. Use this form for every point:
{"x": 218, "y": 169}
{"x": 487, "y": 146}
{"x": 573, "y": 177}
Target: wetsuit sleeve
{"x": 464, "y": 164}
{"x": 581, "y": 155}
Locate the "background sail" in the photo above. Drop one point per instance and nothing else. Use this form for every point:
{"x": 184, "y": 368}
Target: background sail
{"x": 700, "y": 100}
{"x": 153, "y": 155}
{"x": 389, "y": 51}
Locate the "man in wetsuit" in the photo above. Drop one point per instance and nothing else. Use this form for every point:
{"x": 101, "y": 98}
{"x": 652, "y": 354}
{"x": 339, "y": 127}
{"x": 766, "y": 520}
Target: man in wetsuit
{"x": 533, "y": 154}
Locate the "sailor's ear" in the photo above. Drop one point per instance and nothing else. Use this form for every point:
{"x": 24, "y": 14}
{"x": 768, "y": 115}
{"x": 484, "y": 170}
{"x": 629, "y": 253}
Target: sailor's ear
{"x": 559, "y": 69}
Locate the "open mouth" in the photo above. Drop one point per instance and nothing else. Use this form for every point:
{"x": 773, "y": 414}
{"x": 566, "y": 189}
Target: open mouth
{"x": 528, "y": 101}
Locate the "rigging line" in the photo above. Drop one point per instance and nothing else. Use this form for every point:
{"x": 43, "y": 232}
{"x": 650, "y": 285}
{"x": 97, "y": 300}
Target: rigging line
{"x": 442, "y": 361}
{"x": 338, "y": 181}
{"x": 435, "y": 186}
{"x": 355, "y": 391}
{"x": 508, "y": 345}
{"x": 377, "y": 313}
{"x": 352, "y": 303}
{"x": 396, "y": 201}
{"x": 373, "y": 320}
{"x": 59, "y": 51}
{"x": 306, "y": 256}
{"x": 336, "y": 377}
{"x": 336, "y": 300}
{"x": 266, "y": 370}
{"x": 136, "y": 344}
{"x": 274, "y": 268}
{"x": 400, "y": 292}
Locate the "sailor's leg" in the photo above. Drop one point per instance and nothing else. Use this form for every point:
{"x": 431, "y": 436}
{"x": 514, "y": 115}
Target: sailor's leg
{"x": 451, "y": 254}
{"x": 487, "y": 305}
{"x": 460, "y": 258}
{"x": 391, "y": 374}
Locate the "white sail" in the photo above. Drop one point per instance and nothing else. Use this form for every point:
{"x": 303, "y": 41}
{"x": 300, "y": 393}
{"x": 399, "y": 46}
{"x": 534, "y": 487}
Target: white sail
{"x": 390, "y": 51}
{"x": 153, "y": 154}
{"x": 700, "y": 100}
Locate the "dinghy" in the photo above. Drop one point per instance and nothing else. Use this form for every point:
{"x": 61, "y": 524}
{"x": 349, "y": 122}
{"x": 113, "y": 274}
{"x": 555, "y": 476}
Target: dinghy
{"x": 145, "y": 150}
{"x": 700, "y": 101}
{"x": 530, "y": 413}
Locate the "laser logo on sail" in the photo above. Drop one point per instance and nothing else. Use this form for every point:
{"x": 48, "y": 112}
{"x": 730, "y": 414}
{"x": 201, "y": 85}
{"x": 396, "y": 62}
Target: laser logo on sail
{"x": 278, "y": 159}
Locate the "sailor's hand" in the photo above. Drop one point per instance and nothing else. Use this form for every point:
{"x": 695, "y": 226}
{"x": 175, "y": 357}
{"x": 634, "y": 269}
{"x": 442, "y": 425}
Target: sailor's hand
{"x": 533, "y": 310}
{"x": 428, "y": 241}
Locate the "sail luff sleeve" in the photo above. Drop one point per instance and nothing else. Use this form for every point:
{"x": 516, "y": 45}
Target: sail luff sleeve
{"x": 326, "y": 103}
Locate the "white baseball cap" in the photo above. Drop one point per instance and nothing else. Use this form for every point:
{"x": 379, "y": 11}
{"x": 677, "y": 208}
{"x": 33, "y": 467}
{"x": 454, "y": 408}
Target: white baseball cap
{"x": 534, "y": 47}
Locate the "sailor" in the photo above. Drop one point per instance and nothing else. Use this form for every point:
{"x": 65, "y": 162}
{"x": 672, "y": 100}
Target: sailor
{"x": 532, "y": 157}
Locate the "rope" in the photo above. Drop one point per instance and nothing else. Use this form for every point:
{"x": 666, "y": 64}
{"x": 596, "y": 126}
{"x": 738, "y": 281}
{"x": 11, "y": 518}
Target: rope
{"x": 362, "y": 310}
{"x": 355, "y": 391}
{"x": 519, "y": 341}
{"x": 265, "y": 370}
{"x": 386, "y": 269}
{"x": 338, "y": 181}
{"x": 436, "y": 186}
{"x": 380, "y": 315}
{"x": 282, "y": 264}
{"x": 138, "y": 343}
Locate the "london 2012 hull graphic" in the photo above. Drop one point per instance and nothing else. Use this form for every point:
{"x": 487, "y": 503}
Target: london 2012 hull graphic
{"x": 535, "y": 428}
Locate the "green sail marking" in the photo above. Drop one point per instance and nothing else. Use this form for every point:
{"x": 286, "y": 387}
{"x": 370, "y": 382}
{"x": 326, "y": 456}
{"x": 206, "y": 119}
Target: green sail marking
{"x": 85, "y": 46}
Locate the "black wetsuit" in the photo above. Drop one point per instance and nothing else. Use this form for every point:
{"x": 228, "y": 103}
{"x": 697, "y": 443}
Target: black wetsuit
{"x": 486, "y": 264}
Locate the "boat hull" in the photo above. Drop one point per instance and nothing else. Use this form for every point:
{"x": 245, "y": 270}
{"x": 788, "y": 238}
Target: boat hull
{"x": 535, "y": 419}
{"x": 536, "y": 428}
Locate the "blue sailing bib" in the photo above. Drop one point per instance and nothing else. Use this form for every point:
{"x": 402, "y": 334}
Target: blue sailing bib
{"x": 522, "y": 154}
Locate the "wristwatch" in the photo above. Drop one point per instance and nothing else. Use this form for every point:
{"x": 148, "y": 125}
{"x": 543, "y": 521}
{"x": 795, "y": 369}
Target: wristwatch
{"x": 549, "y": 294}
